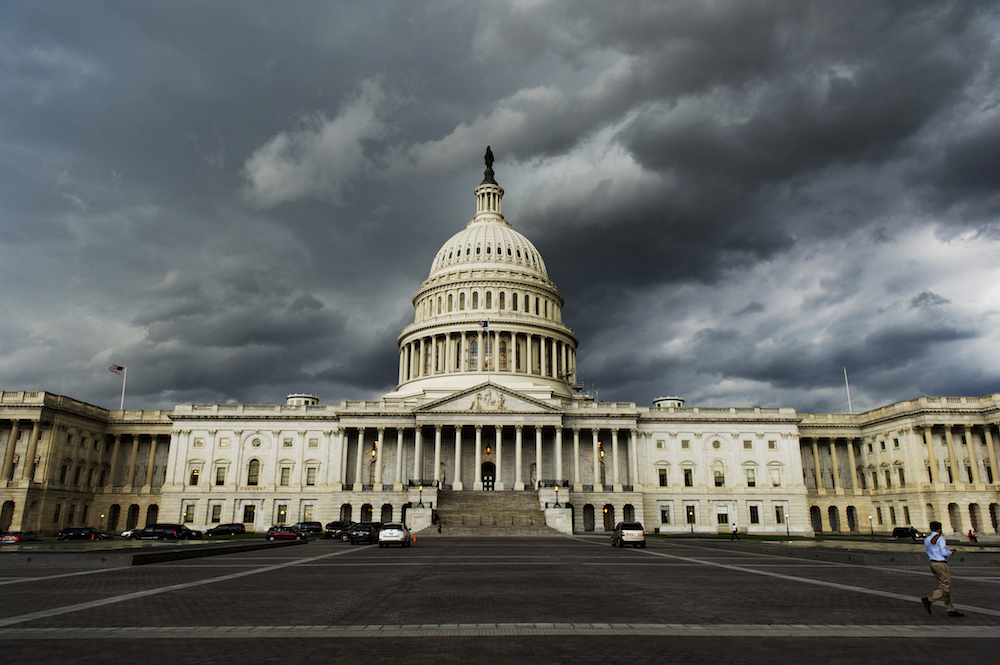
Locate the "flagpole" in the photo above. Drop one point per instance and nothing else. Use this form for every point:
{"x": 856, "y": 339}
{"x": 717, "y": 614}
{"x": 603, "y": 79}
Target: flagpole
{"x": 849, "y": 407}
{"x": 124, "y": 378}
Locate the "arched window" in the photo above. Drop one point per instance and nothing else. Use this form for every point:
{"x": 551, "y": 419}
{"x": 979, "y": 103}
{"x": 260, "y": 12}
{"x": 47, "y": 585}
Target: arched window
{"x": 449, "y": 302}
{"x": 502, "y": 362}
{"x": 473, "y": 354}
{"x": 489, "y": 300}
{"x": 439, "y": 304}
{"x": 461, "y": 302}
{"x": 475, "y": 300}
{"x": 536, "y": 306}
{"x": 253, "y": 473}
{"x": 458, "y": 355}
{"x": 501, "y": 300}
{"x": 719, "y": 473}
{"x": 513, "y": 301}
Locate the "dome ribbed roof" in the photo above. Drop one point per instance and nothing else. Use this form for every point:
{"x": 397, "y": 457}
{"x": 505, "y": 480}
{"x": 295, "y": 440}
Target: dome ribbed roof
{"x": 489, "y": 244}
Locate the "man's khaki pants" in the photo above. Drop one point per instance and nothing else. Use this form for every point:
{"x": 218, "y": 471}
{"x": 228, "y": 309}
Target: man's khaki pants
{"x": 943, "y": 592}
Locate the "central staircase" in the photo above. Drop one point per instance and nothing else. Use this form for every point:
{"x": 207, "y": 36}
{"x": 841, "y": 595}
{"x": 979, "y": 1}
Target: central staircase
{"x": 491, "y": 514}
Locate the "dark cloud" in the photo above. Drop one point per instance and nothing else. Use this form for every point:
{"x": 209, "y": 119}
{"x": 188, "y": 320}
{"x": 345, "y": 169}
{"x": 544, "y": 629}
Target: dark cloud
{"x": 737, "y": 200}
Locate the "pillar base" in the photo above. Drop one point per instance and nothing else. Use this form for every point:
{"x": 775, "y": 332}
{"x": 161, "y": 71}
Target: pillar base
{"x": 518, "y": 486}
{"x": 618, "y": 487}
{"x": 498, "y": 486}
{"x": 577, "y": 487}
{"x": 378, "y": 487}
{"x": 397, "y": 487}
{"x": 357, "y": 487}
{"x": 457, "y": 486}
{"x": 477, "y": 486}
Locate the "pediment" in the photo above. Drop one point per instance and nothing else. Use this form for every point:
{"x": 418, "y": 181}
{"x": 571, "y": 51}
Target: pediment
{"x": 488, "y": 398}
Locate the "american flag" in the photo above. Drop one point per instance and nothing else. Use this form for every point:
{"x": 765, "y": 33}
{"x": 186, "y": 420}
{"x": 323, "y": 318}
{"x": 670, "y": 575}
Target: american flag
{"x": 484, "y": 324}
{"x": 117, "y": 369}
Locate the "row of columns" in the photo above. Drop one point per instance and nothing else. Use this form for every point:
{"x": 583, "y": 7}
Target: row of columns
{"x": 28, "y": 468}
{"x": 954, "y": 461}
{"x": 437, "y": 354}
{"x": 458, "y": 484}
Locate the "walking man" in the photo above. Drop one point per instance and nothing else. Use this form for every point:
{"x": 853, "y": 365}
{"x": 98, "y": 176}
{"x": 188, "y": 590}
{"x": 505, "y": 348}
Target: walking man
{"x": 938, "y": 553}
{"x": 734, "y": 531}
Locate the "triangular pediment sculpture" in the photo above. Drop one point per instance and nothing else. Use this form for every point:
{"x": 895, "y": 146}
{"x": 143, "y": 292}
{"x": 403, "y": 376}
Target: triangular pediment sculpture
{"x": 487, "y": 398}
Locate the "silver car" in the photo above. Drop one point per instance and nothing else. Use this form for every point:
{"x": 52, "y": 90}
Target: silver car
{"x": 394, "y": 534}
{"x": 628, "y": 533}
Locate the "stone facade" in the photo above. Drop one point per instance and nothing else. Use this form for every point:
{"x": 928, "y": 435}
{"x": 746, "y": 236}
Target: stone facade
{"x": 487, "y": 401}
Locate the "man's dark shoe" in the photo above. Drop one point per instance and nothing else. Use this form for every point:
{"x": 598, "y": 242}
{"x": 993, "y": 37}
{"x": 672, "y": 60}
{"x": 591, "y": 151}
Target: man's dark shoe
{"x": 927, "y": 604}
{"x": 955, "y": 614}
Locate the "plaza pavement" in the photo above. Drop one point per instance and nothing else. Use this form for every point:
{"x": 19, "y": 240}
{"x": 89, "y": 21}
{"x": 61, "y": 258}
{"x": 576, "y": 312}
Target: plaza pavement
{"x": 495, "y": 600}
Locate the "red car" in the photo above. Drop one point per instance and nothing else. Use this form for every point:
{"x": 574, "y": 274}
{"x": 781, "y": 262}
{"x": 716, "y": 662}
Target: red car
{"x": 286, "y": 533}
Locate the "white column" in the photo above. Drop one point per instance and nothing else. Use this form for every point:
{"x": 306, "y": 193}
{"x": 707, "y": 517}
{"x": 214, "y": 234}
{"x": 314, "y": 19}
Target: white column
{"x": 538, "y": 457}
{"x": 480, "y": 352}
{"x": 417, "y": 452}
{"x": 597, "y": 463}
{"x": 397, "y": 476}
{"x": 456, "y": 484}
{"x": 377, "y": 485}
{"x": 437, "y": 454}
{"x": 358, "y": 486}
{"x": 577, "y": 484}
{"x": 449, "y": 354}
{"x": 633, "y": 457}
{"x": 530, "y": 366}
{"x": 498, "y": 434}
{"x": 973, "y": 457}
{"x": 477, "y": 484}
{"x": 988, "y": 438}
{"x": 614, "y": 462}
{"x": 543, "y": 353}
{"x": 341, "y": 477}
{"x": 559, "y": 432}
{"x": 518, "y": 477}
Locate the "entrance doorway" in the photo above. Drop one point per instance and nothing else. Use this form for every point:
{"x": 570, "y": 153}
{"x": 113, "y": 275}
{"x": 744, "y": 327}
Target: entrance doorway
{"x": 489, "y": 475}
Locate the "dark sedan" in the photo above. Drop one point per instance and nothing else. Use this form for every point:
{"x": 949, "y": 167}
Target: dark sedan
{"x": 14, "y": 537}
{"x": 340, "y": 530}
{"x": 363, "y": 533}
{"x": 82, "y": 533}
{"x": 226, "y": 530}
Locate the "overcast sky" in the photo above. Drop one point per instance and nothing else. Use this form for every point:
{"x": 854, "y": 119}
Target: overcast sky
{"x": 238, "y": 200}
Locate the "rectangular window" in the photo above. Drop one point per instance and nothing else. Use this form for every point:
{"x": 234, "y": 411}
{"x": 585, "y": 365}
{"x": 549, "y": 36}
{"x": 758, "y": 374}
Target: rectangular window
{"x": 689, "y": 511}
{"x": 199, "y": 442}
{"x": 287, "y": 443}
{"x": 989, "y": 474}
{"x": 220, "y": 475}
{"x": 307, "y": 512}
{"x": 878, "y": 514}
{"x": 664, "y": 515}
{"x": 754, "y": 515}
{"x": 772, "y": 445}
{"x": 55, "y": 516}
{"x": 720, "y": 478}
{"x": 189, "y": 513}
{"x": 662, "y": 473}
{"x": 282, "y": 512}
{"x": 685, "y": 444}
{"x": 311, "y": 476}
{"x": 902, "y": 481}
{"x": 688, "y": 477}
{"x": 888, "y": 479}
{"x": 870, "y": 449}
{"x": 722, "y": 518}
{"x": 892, "y": 515}
{"x": 775, "y": 477}
{"x": 71, "y": 513}
{"x": 249, "y": 514}
{"x": 881, "y": 445}
{"x": 314, "y": 443}
{"x": 286, "y": 473}
{"x": 895, "y": 443}
{"x": 193, "y": 480}
{"x": 83, "y": 517}
{"x": 751, "y": 478}
{"x": 216, "y": 513}
{"x": 661, "y": 444}
{"x": 779, "y": 514}
{"x": 748, "y": 445}
{"x": 906, "y": 514}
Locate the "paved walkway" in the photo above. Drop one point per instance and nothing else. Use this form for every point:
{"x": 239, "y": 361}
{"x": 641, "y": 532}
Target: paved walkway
{"x": 492, "y": 600}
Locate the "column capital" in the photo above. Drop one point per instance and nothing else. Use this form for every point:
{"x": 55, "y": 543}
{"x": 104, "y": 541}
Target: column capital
{"x": 518, "y": 428}
{"x": 479, "y": 428}
{"x": 380, "y": 430}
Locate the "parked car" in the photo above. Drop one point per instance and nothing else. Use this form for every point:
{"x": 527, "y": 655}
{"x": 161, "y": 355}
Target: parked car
{"x": 127, "y": 533}
{"x": 13, "y": 537}
{"x": 82, "y": 533}
{"x": 628, "y": 533}
{"x": 166, "y": 532}
{"x": 286, "y": 533}
{"x": 226, "y": 530}
{"x": 308, "y": 527}
{"x": 363, "y": 533}
{"x": 338, "y": 530}
{"x": 907, "y": 532}
{"x": 394, "y": 534}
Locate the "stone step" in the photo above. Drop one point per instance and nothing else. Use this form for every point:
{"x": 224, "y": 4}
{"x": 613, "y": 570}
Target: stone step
{"x": 490, "y": 513}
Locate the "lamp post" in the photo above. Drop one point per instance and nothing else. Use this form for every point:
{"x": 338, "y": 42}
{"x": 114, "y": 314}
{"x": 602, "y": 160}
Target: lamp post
{"x": 420, "y": 503}
{"x": 788, "y": 529}
{"x": 281, "y": 516}
{"x": 101, "y": 527}
{"x": 557, "y": 497}
{"x": 871, "y": 527}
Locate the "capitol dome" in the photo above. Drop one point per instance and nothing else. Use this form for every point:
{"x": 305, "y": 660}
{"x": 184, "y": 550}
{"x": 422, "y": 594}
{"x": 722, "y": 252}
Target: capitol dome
{"x": 487, "y": 312}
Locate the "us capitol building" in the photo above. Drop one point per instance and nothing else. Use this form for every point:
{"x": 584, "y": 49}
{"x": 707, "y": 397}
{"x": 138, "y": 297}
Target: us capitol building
{"x": 488, "y": 431}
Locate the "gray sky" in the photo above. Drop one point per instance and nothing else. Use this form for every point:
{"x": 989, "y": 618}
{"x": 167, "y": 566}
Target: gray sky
{"x": 737, "y": 199}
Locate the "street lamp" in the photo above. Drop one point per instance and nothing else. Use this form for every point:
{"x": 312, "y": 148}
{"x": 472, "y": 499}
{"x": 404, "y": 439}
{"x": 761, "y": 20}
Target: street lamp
{"x": 420, "y": 504}
{"x": 788, "y": 531}
{"x": 871, "y": 527}
{"x": 101, "y": 527}
{"x": 281, "y": 516}
{"x": 557, "y": 497}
